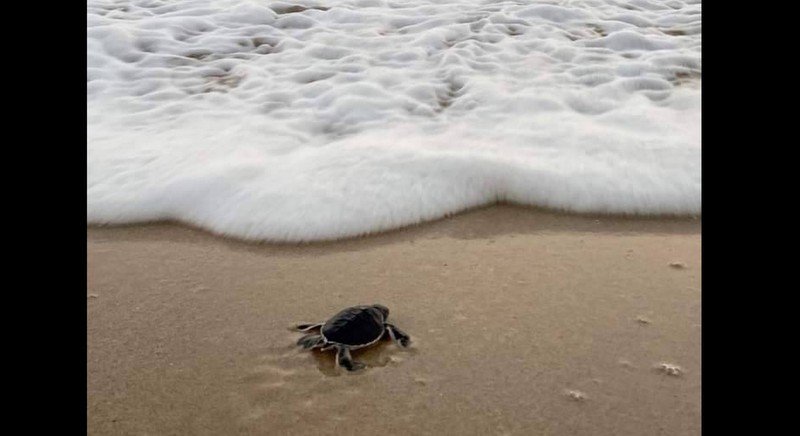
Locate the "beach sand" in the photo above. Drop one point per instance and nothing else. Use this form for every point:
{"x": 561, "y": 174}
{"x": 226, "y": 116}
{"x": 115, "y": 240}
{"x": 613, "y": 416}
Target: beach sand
{"x": 523, "y": 321}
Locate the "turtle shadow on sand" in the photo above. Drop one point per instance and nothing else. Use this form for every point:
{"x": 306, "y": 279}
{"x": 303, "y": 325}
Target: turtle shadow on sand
{"x": 382, "y": 354}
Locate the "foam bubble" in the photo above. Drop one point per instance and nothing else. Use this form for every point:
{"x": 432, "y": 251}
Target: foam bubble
{"x": 670, "y": 369}
{"x": 319, "y": 120}
{"x": 575, "y": 395}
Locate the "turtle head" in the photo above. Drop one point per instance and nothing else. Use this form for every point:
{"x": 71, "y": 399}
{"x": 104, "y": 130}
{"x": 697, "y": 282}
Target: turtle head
{"x": 382, "y": 309}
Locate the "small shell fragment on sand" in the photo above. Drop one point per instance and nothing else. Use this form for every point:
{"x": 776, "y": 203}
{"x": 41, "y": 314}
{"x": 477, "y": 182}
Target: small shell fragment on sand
{"x": 642, "y": 320}
{"x": 670, "y": 369}
{"x": 575, "y": 395}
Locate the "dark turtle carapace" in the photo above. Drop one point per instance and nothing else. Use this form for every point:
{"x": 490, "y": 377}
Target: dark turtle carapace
{"x": 352, "y": 328}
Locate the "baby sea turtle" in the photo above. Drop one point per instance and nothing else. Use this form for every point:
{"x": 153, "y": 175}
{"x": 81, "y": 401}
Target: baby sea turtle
{"x": 352, "y": 328}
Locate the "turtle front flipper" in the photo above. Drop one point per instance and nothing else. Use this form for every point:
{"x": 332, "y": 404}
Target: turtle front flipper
{"x": 311, "y": 341}
{"x": 307, "y": 327}
{"x": 344, "y": 359}
{"x": 398, "y": 336}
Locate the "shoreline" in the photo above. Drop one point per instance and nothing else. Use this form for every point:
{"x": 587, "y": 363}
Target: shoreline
{"x": 546, "y": 220}
{"x": 523, "y": 321}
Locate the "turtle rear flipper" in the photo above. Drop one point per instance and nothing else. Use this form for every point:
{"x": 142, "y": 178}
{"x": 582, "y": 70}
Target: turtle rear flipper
{"x": 311, "y": 341}
{"x": 398, "y": 336}
{"x": 307, "y": 327}
{"x": 344, "y": 359}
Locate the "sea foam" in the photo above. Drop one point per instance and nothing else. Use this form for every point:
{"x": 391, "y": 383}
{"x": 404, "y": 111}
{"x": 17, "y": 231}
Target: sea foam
{"x": 312, "y": 120}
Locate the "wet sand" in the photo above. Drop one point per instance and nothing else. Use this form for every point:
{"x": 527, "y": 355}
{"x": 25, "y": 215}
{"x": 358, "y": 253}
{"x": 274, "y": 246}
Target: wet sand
{"x": 523, "y": 322}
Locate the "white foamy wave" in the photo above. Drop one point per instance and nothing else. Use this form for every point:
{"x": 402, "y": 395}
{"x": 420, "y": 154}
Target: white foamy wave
{"x": 326, "y": 119}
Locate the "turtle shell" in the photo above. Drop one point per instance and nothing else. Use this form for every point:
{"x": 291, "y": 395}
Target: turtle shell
{"x": 361, "y": 325}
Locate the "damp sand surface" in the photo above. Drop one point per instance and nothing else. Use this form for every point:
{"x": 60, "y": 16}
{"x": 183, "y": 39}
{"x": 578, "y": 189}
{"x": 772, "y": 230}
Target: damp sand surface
{"x": 523, "y": 322}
